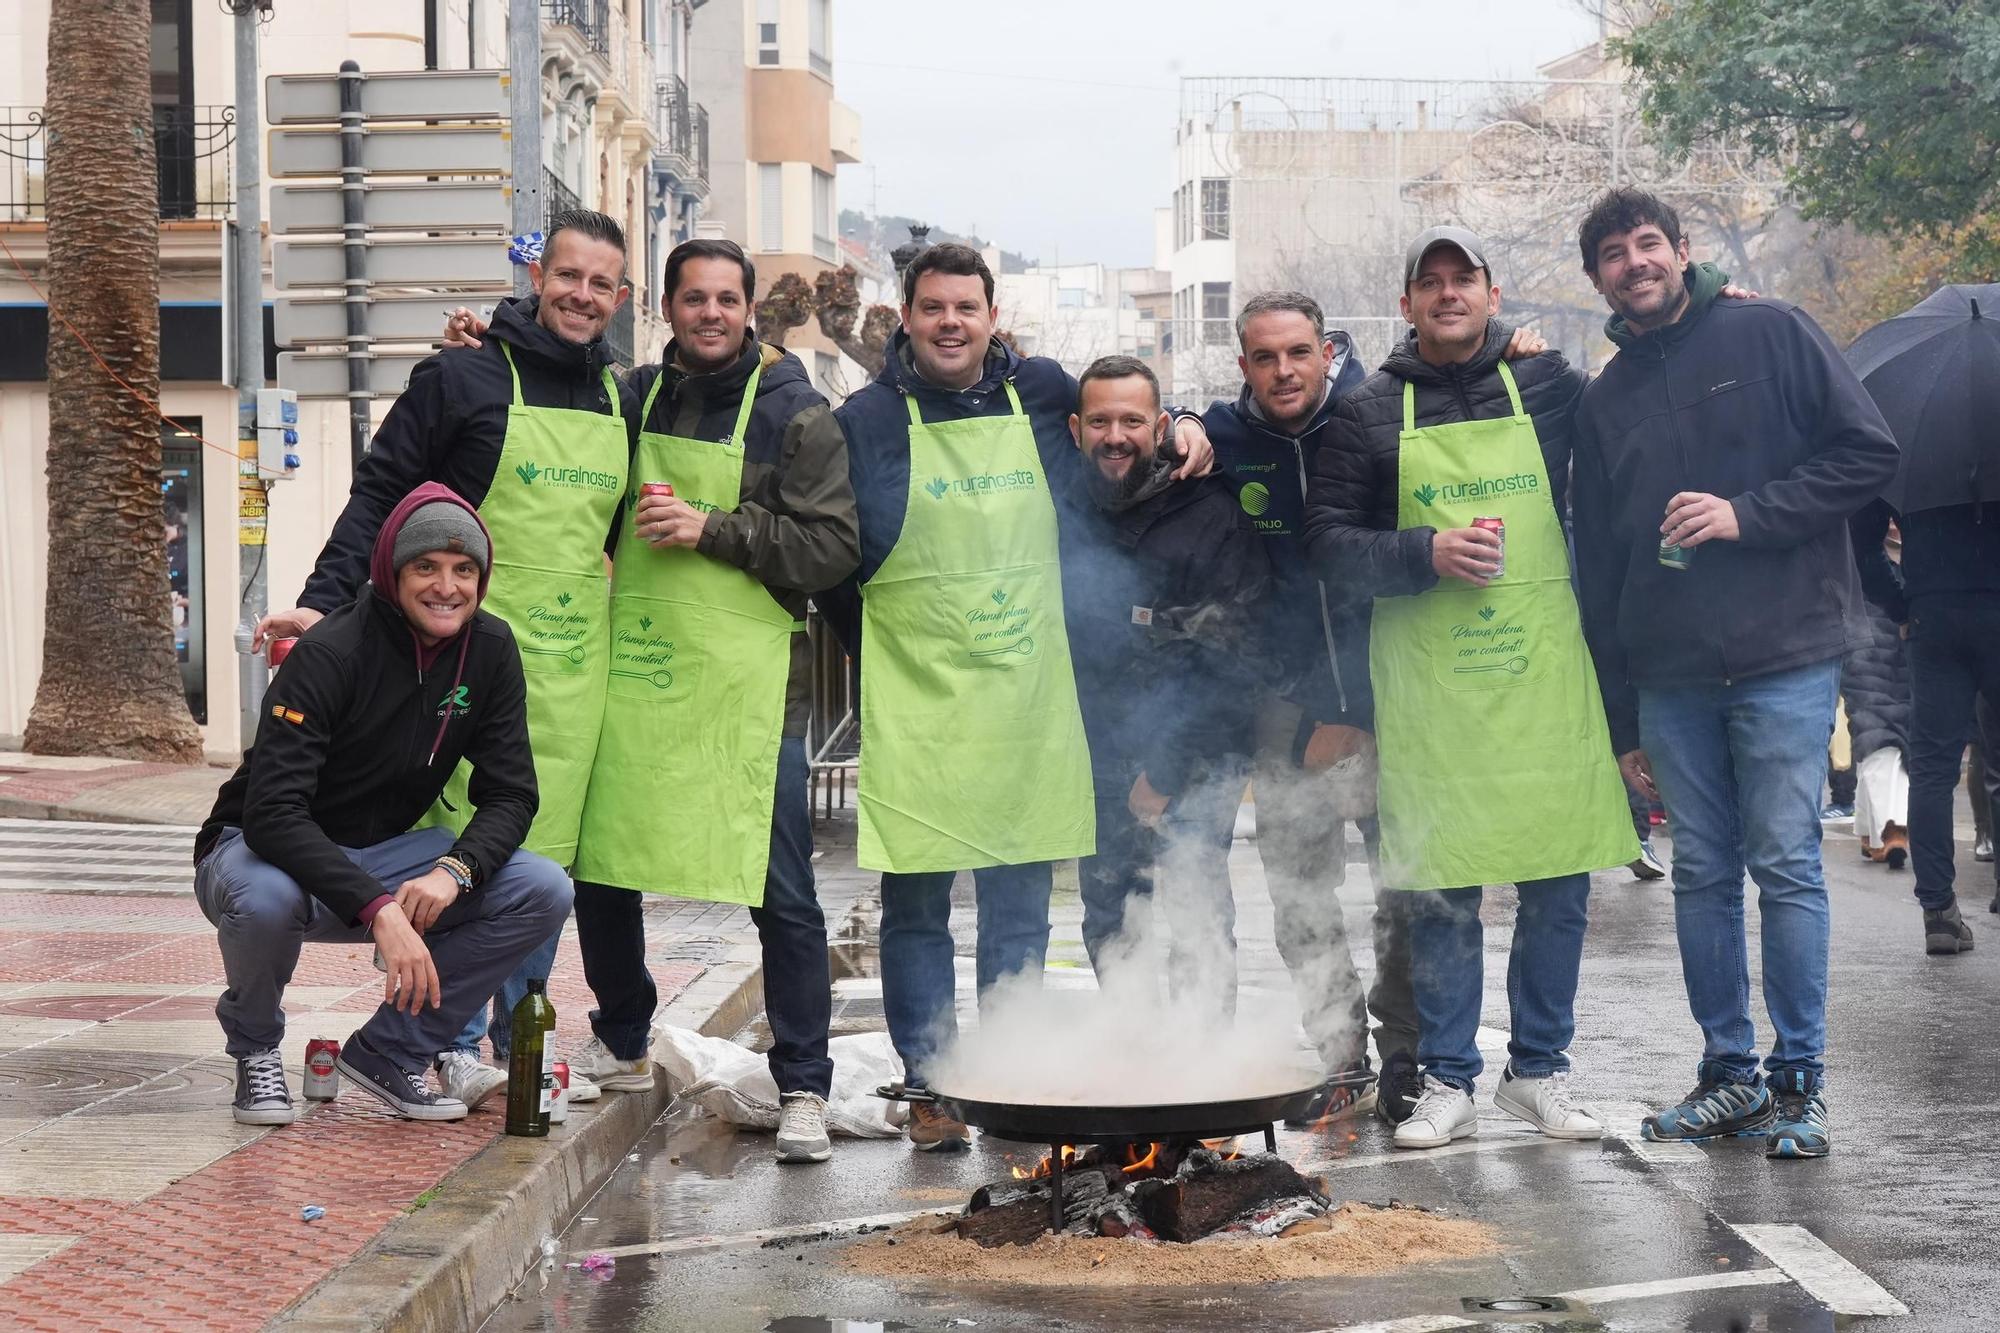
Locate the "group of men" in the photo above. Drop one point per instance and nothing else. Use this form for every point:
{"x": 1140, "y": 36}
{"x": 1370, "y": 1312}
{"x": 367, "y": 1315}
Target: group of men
{"x": 1082, "y": 624}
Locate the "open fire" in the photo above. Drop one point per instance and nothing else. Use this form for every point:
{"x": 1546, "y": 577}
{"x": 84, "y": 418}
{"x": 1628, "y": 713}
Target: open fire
{"x": 1145, "y": 1191}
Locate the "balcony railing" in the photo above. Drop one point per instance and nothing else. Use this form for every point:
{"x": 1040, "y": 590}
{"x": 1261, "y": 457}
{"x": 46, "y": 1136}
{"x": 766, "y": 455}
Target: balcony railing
{"x": 682, "y": 126}
{"x": 557, "y": 197}
{"x": 193, "y": 145}
{"x": 590, "y": 18}
{"x": 618, "y": 335}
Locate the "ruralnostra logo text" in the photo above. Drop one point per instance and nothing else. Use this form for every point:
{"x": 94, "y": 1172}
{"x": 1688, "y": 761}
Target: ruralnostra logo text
{"x": 566, "y": 476}
{"x": 1478, "y": 488}
{"x": 981, "y": 483}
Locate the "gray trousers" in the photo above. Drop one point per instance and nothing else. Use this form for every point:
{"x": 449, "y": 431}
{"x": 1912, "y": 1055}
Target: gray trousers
{"x": 1303, "y": 846}
{"x": 262, "y": 917}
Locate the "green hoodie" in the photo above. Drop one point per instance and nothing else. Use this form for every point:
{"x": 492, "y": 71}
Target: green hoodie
{"x": 1704, "y": 283}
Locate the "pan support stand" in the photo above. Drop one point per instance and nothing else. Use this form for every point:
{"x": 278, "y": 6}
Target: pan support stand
{"x": 1056, "y": 1218}
{"x": 1270, "y": 1138}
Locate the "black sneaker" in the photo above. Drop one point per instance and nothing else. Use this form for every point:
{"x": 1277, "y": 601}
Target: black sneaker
{"x": 1397, "y": 1090}
{"x": 1348, "y": 1093}
{"x": 1945, "y": 931}
{"x": 261, "y": 1095}
{"x": 402, "y": 1091}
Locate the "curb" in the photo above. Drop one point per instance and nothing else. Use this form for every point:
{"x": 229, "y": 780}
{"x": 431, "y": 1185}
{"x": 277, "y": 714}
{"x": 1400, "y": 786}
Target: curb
{"x": 447, "y": 1266}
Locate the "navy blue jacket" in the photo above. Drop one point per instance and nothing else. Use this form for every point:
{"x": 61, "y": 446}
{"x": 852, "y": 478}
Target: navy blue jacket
{"x": 1320, "y": 650}
{"x": 877, "y": 425}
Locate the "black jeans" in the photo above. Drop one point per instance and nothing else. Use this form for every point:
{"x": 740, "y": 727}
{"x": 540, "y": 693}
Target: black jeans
{"x": 1954, "y": 657}
{"x": 798, "y": 987}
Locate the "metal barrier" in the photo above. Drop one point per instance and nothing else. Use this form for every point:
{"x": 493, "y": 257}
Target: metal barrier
{"x": 833, "y": 730}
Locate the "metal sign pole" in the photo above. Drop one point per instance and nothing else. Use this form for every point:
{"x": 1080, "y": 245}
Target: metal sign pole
{"x": 524, "y": 70}
{"x": 252, "y": 516}
{"x": 353, "y": 188}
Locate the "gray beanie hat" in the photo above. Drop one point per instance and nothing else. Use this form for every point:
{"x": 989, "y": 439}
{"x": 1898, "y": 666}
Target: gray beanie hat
{"x": 441, "y": 526}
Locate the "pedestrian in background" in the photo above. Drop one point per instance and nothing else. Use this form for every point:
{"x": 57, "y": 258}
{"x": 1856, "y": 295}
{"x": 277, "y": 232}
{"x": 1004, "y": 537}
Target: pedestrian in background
{"x": 1875, "y": 684}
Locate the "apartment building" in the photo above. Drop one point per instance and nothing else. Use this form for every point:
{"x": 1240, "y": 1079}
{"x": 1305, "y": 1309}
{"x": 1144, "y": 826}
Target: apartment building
{"x": 765, "y": 73}
{"x": 621, "y": 132}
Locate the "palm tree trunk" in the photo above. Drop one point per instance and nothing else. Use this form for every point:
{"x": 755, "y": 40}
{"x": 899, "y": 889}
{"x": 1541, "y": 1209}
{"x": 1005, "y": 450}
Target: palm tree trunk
{"x": 110, "y": 684}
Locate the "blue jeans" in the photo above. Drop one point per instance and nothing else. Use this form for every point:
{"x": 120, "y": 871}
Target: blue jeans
{"x": 1448, "y": 972}
{"x": 798, "y": 986}
{"x": 1740, "y": 767}
{"x": 262, "y": 918}
{"x": 536, "y": 967}
{"x": 918, "y": 981}
{"x": 1954, "y": 652}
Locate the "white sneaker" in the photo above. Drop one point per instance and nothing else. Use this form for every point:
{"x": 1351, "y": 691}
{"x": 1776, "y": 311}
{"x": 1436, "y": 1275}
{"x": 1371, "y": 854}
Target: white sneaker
{"x": 1546, "y": 1104}
{"x": 463, "y": 1075}
{"x": 1442, "y": 1114}
{"x": 1648, "y": 865}
{"x": 802, "y": 1128}
{"x": 596, "y": 1064}
{"x": 582, "y": 1089}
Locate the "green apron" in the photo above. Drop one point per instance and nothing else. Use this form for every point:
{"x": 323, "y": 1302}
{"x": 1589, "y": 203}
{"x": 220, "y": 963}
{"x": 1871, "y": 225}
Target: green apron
{"x": 972, "y": 746}
{"x": 554, "y": 495}
{"x": 680, "y": 798}
{"x": 1496, "y": 764}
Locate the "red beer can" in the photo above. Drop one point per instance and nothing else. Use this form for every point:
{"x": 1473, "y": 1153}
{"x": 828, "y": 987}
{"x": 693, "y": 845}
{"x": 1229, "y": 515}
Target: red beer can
{"x": 657, "y": 488}
{"x": 322, "y": 1082}
{"x": 279, "y": 650}
{"x": 559, "y": 1104}
{"x": 1498, "y": 528}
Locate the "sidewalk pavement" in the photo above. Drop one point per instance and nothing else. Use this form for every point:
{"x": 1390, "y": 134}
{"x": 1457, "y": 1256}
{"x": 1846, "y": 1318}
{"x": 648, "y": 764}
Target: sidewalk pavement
{"x": 129, "y": 1197}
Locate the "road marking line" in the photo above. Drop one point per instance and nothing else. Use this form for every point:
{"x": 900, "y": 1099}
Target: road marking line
{"x": 1497, "y": 1143}
{"x": 1622, "y": 1122}
{"x": 1624, "y": 1291}
{"x": 1816, "y": 1266}
{"x": 752, "y": 1239}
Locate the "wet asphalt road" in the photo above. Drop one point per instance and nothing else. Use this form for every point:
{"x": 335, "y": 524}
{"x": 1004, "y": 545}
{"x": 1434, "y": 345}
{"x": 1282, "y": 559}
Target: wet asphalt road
{"x": 1907, "y": 1199}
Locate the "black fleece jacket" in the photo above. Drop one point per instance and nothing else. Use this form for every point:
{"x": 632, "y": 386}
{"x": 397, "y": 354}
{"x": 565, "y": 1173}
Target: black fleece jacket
{"x": 1747, "y": 400}
{"x": 794, "y": 527}
{"x": 1351, "y": 535}
{"x": 343, "y": 751}
{"x": 1166, "y": 622}
{"x": 449, "y": 425}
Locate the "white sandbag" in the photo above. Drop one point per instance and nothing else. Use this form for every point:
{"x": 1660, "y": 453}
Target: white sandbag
{"x": 735, "y": 1083}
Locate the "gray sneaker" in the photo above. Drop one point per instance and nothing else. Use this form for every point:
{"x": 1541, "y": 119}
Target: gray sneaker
{"x": 461, "y": 1074}
{"x": 1648, "y": 865}
{"x": 398, "y": 1088}
{"x": 261, "y": 1095}
{"x": 802, "y": 1128}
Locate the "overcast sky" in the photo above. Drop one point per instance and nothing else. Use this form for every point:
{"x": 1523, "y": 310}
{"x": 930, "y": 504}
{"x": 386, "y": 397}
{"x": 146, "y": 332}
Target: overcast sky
{"x": 1074, "y": 100}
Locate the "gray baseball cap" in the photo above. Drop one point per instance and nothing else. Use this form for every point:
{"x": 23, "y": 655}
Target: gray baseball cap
{"x": 1458, "y": 237}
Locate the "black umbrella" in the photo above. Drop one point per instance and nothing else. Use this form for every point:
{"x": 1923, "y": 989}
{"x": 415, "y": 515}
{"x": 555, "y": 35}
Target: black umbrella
{"x": 1934, "y": 370}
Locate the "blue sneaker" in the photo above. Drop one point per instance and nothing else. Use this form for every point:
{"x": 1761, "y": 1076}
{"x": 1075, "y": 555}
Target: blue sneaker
{"x": 1720, "y": 1107}
{"x": 1835, "y": 812}
{"x": 1799, "y": 1129}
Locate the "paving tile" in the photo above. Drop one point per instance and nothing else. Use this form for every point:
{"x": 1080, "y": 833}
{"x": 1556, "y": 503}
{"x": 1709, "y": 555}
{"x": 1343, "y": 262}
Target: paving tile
{"x": 23, "y": 1251}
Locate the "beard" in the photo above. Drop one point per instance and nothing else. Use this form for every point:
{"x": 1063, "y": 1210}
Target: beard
{"x": 1144, "y": 479}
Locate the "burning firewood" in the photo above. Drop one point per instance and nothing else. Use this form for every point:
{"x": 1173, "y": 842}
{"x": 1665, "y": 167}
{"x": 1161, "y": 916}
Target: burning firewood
{"x": 1208, "y": 1193}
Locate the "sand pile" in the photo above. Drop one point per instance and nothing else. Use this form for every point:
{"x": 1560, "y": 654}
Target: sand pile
{"x": 1354, "y": 1239}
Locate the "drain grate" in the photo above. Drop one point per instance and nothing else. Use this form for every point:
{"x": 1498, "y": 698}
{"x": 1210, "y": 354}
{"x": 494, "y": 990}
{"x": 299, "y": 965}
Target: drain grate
{"x": 1549, "y": 1312}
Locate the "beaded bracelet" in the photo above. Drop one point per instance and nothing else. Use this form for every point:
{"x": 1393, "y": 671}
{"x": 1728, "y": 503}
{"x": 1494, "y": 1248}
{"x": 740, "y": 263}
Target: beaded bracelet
{"x": 460, "y": 873}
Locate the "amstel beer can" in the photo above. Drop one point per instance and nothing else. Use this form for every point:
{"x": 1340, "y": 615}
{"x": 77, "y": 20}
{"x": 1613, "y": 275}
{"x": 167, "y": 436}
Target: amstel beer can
{"x": 1498, "y": 528}
{"x": 322, "y": 1082}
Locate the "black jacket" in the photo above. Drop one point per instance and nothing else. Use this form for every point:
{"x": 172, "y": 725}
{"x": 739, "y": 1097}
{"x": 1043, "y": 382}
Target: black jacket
{"x": 1320, "y": 652}
{"x": 1747, "y": 400}
{"x": 449, "y": 426}
{"x": 1164, "y": 624}
{"x": 1948, "y": 552}
{"x": 1351, "y": 534}
{"x": 1875, "y": 678}
{"x": 343, "y": 751}
{"x": 794, "y": 527}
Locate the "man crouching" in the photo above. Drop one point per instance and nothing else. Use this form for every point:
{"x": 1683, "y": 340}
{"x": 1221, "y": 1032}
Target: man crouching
{"x": 310, "y": 839}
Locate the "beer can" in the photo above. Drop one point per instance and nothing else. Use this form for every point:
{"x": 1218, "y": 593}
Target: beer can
{"x": 322, "y": 1082}
{"x": 1675, "y": 557}
{"x": 657, "y": 488}
{"x": 559, "y": 1105}
{"x": 279, "y": 650}
{"x": 1498, "y": 527}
